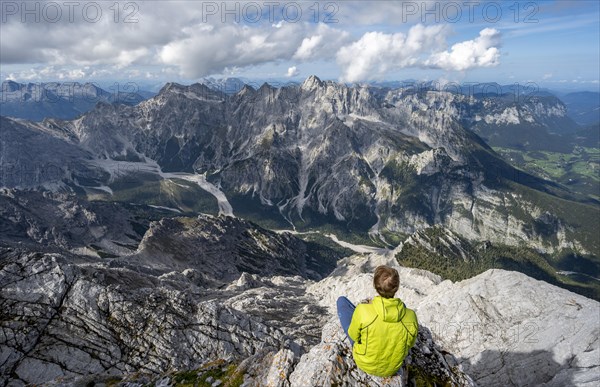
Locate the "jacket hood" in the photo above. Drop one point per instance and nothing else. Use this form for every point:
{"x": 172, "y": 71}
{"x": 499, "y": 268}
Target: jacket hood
{"x": 390, "y": 309}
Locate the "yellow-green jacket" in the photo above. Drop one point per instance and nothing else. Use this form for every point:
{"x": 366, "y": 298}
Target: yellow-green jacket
{"x": 383, "y": 332}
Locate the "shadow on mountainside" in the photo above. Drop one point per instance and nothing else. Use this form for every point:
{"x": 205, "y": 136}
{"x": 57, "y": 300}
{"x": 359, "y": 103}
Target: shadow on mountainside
{"x": 498, "y": 368}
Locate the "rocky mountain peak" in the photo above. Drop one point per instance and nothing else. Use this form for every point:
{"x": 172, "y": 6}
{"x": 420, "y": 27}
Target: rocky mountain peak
{"x": 170, "y": 86}
{"x": 246, "y": 89}
{"x": 211, "y": 245}
{"x": 311, "y": 83}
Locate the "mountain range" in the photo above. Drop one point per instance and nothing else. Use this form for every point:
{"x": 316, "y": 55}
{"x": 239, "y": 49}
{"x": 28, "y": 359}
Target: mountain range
{"x": 321, "y": 153}
{"x": 195, "y": 236}
{"x": 63, "y": 100}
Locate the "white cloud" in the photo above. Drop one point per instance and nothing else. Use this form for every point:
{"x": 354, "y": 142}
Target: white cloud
{"x": 210, "y": 49}
{"x": 479, "y": 52}
{"x": 80, "y": 43}
{"x": 308, "y": 46}
{"x": 292, "y": 72}
{"x": 167, "y": 33}
{"x": 322, "y": 44}
{"x": 173, "y": 36}
{"x": 377, "y": 53}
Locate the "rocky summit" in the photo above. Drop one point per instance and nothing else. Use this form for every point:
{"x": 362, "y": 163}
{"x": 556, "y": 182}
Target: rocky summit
{"x": 68, "y": 324}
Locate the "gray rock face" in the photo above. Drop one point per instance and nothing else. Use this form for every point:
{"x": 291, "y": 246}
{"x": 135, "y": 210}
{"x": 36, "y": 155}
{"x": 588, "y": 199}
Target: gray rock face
{"x": 62, "y": 321}
{"x": 535, "y": 114}
{"x": 41, "y": 155}
{"x": 330, "y": 363}
{"x": 510, "y": 329}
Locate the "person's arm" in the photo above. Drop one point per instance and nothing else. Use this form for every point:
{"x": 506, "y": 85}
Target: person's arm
{"x": 354, "y": 328}
{"x": 412, "y": 327}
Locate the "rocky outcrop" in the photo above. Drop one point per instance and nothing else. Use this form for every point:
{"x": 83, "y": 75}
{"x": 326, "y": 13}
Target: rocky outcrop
{"x": 330, "y": 363}
{"x": 504, "y": 328}
{"x": 509, "y": 329}
{"x": 38, "y": 155}
{"x": 61, "y": 320}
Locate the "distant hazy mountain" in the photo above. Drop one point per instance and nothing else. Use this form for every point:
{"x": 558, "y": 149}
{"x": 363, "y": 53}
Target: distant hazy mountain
{"x": 583, "y": 107}
{"x": 224, "y": 85}
{"x": 588, "y": 136}
{"x": 36, "y": 101}
{"x": 528, "y": 122}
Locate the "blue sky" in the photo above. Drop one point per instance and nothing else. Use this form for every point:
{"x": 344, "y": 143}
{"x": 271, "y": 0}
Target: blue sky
{"x": 554, "y": 44}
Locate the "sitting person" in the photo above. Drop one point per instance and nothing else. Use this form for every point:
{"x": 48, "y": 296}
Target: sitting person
{"x": 382, "y": 331}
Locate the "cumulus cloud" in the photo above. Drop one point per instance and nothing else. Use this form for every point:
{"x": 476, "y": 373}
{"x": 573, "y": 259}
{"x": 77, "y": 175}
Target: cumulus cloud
{"x": 80, "y": 42}
{"x": 166, "y": 34}
{"x": 322, "y": 44}
{"x": 174, "y": 36}
{"x": 375, "y": 54}
{"x": 479, "y": 52}
{"x": 308, "y": 47}
{"x": 292, "y": 72}
{"x": 210, "y": 49}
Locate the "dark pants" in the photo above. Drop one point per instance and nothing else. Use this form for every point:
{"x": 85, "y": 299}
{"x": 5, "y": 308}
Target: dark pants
{"x": 345, "y": 309}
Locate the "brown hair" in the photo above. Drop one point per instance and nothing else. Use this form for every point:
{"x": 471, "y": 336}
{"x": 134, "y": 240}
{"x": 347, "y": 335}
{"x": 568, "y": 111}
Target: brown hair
{"x": 386, "y": 281}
